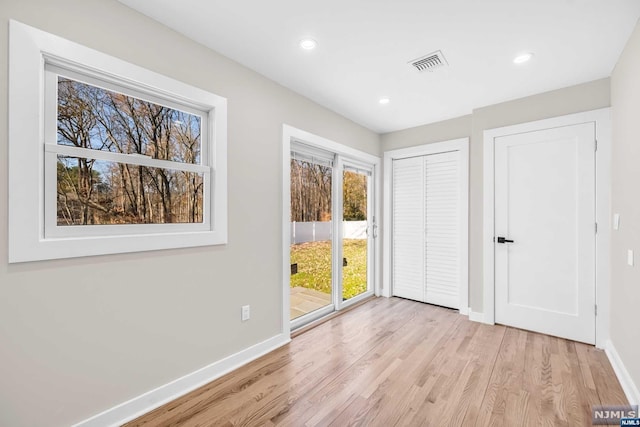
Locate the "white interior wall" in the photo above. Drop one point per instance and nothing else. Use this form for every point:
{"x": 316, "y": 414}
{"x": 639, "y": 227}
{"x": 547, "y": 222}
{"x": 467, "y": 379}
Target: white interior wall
{"x": 79, "y": 336}
{"x": 625, "y": 200}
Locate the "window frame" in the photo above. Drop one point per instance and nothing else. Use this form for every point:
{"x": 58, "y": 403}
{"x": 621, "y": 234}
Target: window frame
{"x": 36, "y": 58}
{"x": 52, "y": 149}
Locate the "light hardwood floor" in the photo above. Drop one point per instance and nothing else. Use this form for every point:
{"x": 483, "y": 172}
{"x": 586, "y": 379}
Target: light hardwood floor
{"x": 397, "y": 362}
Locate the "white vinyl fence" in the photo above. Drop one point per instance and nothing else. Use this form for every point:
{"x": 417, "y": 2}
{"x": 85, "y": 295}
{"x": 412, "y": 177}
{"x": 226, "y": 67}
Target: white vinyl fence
{"x": 302, "y": 232}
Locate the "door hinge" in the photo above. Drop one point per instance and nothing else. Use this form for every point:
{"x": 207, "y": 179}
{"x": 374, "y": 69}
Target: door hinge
{"x": 596, "y": 228}
{"x": 596, "y": 309}
{"x": 596, "y": 145}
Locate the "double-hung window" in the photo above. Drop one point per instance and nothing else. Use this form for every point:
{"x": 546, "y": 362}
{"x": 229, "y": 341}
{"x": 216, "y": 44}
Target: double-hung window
{"x": 107, "y": 157}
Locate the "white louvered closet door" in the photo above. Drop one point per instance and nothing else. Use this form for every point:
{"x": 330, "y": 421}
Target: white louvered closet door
{"x": 442, "y": 229}
{"x": 408, "y": 223}
{"x": 426, "y": 228}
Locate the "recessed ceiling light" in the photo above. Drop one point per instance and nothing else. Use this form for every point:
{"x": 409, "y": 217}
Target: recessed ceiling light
{"x": 522, "y": 58}
{"x": 308, "y": 44}
{"x": 384, "y": 100}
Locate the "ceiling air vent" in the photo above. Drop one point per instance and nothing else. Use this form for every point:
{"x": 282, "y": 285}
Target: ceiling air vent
{"x": 429, "y": 62}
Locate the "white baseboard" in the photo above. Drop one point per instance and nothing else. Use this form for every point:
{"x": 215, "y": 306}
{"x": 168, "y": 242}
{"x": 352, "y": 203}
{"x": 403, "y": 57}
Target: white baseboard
{"x": 475, "y": 316}
{"x": 628, "y": 386}
{"x": 153, "y": 399}
{"x": 464, "y": 311}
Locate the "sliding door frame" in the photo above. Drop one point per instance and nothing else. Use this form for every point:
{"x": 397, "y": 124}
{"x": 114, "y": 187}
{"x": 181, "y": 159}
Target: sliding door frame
{"x": 343, "y": 153}
{"x": 372, "y": 230}
{"x": 461, "y": 145}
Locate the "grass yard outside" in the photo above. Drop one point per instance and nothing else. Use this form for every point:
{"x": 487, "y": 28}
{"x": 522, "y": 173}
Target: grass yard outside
{"x": 314, "y": 266}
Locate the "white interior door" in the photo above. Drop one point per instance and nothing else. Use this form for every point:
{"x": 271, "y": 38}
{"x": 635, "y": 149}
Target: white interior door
{"x": 545, "y": 204}
{"x": 408, "y": 228}
{"x": 427, "y": 238}
{"x": 442, "y": 229}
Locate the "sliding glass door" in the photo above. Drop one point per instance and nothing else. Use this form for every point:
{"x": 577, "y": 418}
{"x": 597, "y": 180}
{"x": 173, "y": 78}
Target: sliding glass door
{"x": 311, "y": 234}
{"x": 357, "y": 231}
{"x": 332, "y": 231}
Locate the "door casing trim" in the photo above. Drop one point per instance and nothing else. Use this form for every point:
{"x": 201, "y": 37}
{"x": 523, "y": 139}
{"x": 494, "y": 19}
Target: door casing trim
{"x": 602, "y": 120}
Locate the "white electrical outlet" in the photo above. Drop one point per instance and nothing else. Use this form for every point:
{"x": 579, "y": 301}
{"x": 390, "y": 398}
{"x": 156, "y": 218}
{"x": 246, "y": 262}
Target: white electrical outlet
{"x": 246, "y": 312}
{"x": 630, "y": 257}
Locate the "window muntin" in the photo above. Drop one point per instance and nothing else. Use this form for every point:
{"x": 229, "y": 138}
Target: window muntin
{"x": 122, "y": 158}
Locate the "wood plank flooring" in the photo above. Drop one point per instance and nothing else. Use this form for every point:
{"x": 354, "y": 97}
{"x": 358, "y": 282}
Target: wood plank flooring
{"x": 394, "y": 362}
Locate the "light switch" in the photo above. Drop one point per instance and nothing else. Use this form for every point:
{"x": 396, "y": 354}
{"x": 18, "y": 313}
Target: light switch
{"x": 246, "y": 313}
{"x": 616, "y": 221}
{"x": 630, "y": 257}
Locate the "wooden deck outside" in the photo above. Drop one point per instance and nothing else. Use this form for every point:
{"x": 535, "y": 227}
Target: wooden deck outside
{"x": 394, "y": 362}
{"x": 305, "y": 301}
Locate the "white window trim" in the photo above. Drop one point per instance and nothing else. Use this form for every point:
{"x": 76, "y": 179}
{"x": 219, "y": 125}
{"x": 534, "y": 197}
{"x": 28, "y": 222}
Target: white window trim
{"x": 602, "y": 120}
{"x": 29, "y": 50}
{"x": 461, "y": 145}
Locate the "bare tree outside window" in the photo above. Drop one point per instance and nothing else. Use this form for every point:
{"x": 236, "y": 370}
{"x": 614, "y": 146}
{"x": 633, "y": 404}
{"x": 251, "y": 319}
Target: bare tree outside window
{"x": 310, "y": 191}
{"x": 98, "y": 192}
{"x": 354, "y": 196}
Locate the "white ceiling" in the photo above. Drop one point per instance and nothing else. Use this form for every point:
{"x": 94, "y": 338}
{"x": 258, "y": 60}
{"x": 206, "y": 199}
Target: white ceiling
{"x": 364, "y": 46}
